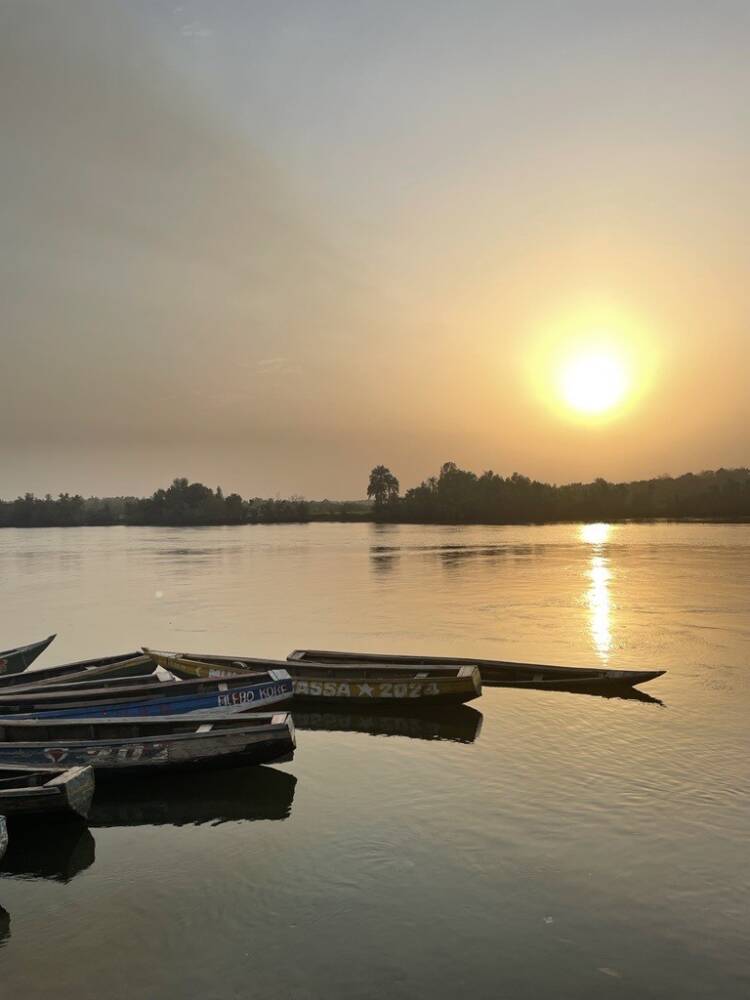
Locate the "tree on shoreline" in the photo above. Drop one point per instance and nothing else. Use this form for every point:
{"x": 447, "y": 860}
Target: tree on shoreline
{"x": 382, "y": 489}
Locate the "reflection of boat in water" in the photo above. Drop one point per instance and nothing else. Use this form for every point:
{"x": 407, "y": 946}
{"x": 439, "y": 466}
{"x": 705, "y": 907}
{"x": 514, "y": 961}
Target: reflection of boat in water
{"x": 625, "y": 694}
{"x": 4, "y": 925}
{"x": 461, "y": 724}
{"x": 36, "y": 851}
{"x": 253, "y": 793}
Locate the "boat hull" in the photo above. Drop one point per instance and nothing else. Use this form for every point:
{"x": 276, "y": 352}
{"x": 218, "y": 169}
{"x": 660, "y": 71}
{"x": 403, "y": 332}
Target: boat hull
{"x": 234, "y": 742}
{"x": 379, "y": 690}
{"x": 365, "y": 686}
{"x": 156, "y": 700}
{"x": 66, "y": 792}
{"x": 13, "y": 661}
{"x": 495, "y": 673}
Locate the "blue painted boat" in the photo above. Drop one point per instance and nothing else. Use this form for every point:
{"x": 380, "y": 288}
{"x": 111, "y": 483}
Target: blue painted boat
{"x": 218, "y": 696}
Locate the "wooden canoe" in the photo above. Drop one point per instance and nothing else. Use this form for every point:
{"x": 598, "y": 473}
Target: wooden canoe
{"x": 127, "y": 746}
{"x": 45, "y": 790}
{"x": 360, "y": 684}
{"x": 121, "y": 665}
{"x": 495, "y": 673}
{"x": 12, "y": 661}
{"x": 124, "y": 699}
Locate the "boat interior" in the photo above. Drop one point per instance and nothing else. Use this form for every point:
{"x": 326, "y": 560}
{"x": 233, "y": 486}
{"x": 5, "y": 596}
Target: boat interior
{"x": 23, "y": 778}
{"x": 76, "y": 730}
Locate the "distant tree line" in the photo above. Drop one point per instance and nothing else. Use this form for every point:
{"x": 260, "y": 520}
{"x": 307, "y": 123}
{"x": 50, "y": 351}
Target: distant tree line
{"x": 182, "y": 503}
{"x": 457, "y": 496}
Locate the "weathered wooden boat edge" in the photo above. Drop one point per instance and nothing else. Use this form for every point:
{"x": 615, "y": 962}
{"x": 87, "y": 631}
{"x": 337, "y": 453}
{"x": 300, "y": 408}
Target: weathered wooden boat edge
{"x": 126, "y": 664}
{"x": 19, "y": 658}
{"x": 158, "y": 698}
{"x": 69, "y": 791}
{"x": 250, "y": 739}
{"x": 552, "y": 676}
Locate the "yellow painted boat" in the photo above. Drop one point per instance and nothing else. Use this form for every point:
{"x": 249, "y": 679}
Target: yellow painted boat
{"x": 364, "y": 684}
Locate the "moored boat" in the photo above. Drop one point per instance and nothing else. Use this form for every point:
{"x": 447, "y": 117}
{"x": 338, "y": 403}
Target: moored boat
{"x": 139, "y": 746}
{"x": 495, "y": 673}
{"x": 121, "y": 665}
{"x": 353, "y": 684}
{"x": 41, "y": 790}
{"x": 125, "y": 699}
{"x": 12, "y": 661}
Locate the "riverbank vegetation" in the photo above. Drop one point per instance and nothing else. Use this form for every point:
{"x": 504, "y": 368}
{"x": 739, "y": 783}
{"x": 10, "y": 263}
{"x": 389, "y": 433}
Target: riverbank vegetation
{"x": 454, "y": 496}
{"x": 457, "y": 496}
{"x": 182, "y": 503}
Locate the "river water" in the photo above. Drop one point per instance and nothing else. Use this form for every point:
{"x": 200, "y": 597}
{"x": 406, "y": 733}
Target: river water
{"x": 531, "y": 844}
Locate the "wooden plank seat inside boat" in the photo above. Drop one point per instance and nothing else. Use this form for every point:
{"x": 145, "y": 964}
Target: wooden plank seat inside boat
{"x": 26, "y": 780}
{"x": 87, "y": 684}
{"x": 77, "y": 730}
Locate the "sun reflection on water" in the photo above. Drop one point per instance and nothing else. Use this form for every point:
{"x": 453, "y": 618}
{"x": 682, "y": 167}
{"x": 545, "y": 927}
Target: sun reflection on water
{"x": 595, "y": 534}
{"x": 598, "y": 597}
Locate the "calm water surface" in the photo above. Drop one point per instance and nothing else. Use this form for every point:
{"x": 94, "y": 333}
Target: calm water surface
{"x": 532, "y": 844}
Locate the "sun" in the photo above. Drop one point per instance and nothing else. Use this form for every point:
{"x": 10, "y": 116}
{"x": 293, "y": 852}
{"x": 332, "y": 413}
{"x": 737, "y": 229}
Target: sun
{"x": 593, "y": 382}
{"x": 592, "y": 363}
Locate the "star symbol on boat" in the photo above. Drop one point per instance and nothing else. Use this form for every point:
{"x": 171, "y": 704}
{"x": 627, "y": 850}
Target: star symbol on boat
{"x": 365, "y": 689}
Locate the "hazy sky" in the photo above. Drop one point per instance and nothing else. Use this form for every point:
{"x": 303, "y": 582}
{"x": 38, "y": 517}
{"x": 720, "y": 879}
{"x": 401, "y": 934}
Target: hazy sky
{"x": 268, "y": 245}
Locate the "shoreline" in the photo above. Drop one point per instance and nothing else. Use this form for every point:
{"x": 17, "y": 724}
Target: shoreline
{"x": 530, "y": 522}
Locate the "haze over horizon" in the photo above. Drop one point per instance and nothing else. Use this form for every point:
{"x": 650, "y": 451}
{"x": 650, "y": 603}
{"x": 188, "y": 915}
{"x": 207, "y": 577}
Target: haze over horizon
{"x": 272, "y": 246}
